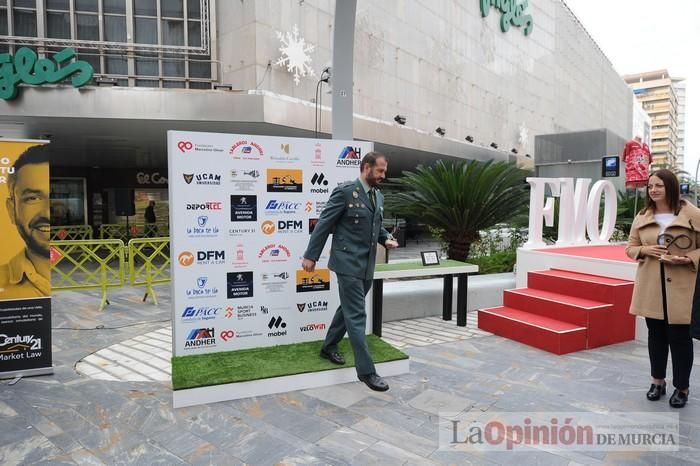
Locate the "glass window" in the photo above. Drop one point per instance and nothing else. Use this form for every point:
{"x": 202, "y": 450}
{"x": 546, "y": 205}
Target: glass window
{"x": 3, "y": 22}
{"x": 91, "y": 56}
{"x": 174, "y": 84}
{"x": 58, "y": 25}
{"x": 25, "y": 3}
{"x": 194, "y": 33}
{"x": 199, "y": 85}
{"x": 146, "y": 31}
{"x": 57, "y": 5}
{"x": 193, "y": 9}
{"x": 174, "y": 65}
{"x": 116, "y": 65}
{"x": 145, "y": 7}
{"x": 114, "y": 6}
{"x": 201, "y": 68}
{"x": 87, "y": 27}
{"x": 171, "y": 8}
{"x": 147, "y": 66}
{"x": 147, "y": 83}
{"x": 67, "y": 199}
{"x": 173, "y": 32}
{"x": 86, "y": 5}
{"x": 24, "y": 23}
{"x": 115, "y": 28}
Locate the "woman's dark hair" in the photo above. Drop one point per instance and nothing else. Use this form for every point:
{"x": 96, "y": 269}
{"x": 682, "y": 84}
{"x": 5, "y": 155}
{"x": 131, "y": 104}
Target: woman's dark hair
{"x": 672, "y": 188}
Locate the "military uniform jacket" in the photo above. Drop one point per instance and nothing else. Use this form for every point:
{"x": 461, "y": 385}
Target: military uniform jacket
{"x": 356, "y": 228}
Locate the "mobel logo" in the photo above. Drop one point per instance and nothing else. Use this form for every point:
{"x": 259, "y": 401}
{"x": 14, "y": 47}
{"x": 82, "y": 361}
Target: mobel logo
{"x": 511, "y": 13}
{"x": 26, "y": 68}
{"x": 578, "y": 210}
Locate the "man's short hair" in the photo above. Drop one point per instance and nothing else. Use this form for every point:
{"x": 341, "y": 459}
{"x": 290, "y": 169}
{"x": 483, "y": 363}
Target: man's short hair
{"x": 33, "y": 155}
{"x": 371, "y": 159}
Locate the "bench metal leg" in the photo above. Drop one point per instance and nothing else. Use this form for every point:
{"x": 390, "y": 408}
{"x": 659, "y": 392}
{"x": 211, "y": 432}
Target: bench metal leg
{"x": 462, "y": 299}
{"x": 377, "y": 299}
{"x": 447, "y": 297}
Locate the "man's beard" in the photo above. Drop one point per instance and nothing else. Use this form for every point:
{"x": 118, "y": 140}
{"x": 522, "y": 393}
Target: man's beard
{"x": 31, "y": 243}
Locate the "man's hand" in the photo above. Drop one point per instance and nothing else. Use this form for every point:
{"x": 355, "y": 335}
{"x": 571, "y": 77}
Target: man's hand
{"x": 391, "y": 244}
{"x": 308, "y": 265}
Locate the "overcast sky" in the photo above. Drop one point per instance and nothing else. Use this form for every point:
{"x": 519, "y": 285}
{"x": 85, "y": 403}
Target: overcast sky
{"x": 646, "y": 35}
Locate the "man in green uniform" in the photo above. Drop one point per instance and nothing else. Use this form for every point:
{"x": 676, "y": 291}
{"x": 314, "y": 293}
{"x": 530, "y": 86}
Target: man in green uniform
{"x": 354, "y": 215}
{"x": 28, "y": 274}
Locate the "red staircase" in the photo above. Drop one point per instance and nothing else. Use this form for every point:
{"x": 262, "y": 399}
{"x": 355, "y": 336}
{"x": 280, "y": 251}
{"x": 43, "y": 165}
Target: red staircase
{"x": 562, "y": 312}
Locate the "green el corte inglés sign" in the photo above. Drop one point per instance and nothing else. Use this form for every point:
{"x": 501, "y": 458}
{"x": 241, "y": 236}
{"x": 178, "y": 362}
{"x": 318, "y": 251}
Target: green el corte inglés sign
{"x": 25, "y": 67}
{"x": 511, "y": 13}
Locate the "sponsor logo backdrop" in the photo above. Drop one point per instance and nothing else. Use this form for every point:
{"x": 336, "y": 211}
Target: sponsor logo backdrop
{"x": 239, "y": 241}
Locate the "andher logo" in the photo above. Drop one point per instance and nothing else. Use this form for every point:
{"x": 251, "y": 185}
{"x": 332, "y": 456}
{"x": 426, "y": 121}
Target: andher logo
{"x": 184, "y": 146}
{"x": 349, "y": 157}
{"x": 200, "y": 338}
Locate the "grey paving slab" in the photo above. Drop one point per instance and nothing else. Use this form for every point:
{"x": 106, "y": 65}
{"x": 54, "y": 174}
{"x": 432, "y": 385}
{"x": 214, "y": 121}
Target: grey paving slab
{"x": 347, "y": 443}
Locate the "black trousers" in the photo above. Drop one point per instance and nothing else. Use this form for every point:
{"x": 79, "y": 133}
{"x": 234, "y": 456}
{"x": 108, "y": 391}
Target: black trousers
{"x": 663, "y": 336}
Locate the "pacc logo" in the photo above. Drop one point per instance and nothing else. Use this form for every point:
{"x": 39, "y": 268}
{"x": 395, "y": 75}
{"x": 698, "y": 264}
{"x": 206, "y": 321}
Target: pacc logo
{"x": 278, "y": 324}
{"x": 227, "y": 335}
{"x": 200, "y": 338}
{"x": 184, "y": 146}
{"x": 274, "y": 207}
{"x": 349, "y": 157}
{"x": 312, "y": 327}
{"x": 320, "y": 183}
{"x": 192, "y": 313}
{"x": 206, "y": 206}
{"x": 313, "y": 306}
{"x": 208, "y": 179}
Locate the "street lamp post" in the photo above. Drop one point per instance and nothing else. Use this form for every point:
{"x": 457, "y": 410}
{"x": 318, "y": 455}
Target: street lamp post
{"x": 695, "y": 188}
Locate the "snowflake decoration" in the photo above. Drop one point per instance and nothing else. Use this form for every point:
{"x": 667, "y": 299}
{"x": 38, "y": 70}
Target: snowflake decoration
{"x": 295, "y": 54}
{"x": 522, "y": 138}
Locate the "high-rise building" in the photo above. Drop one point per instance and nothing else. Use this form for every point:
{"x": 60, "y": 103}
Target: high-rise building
{"x": 656, "y": 91}
{"x": 679, "y": 85}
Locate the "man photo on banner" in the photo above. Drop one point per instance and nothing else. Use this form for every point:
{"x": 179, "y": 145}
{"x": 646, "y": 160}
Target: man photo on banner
{"x": 28, "y": 273}
{"x": 354, "y": 215}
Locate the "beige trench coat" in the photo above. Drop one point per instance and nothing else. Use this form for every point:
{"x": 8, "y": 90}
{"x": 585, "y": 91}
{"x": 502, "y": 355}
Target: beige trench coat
{"x": 680, "y": 279}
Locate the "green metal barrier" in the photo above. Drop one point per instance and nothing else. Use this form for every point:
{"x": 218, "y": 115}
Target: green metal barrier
{"x": 87, "y": 264}
{"x": 136, "y": 230}
{"x": 149, "y": 263}
{"x": 71, "y": 232}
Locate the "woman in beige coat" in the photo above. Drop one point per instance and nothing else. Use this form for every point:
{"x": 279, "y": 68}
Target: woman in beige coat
{"x": 665, "y": 242}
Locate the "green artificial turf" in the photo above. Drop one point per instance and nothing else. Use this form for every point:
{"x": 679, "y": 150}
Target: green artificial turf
{"x": 418, "y": 265}
{"x": 273, "y": 361}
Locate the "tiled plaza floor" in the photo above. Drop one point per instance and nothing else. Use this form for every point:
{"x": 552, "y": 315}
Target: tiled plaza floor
{"x": 70, "y": 418}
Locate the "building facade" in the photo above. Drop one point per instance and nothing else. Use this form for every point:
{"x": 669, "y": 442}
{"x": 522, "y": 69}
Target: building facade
{"x": 657, "y": 93}
{"x": 679, "y": 86}
{"x": 489, "y": 86}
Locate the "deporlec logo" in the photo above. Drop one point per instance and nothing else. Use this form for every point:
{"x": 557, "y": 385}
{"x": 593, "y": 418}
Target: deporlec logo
{"x": 185, "y": 259}
{"x": 184, "y": 146}
{"x": 206, "y": 206}
{"x": 268, "y": 227}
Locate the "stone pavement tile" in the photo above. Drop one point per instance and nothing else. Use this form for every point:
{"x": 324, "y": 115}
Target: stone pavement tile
{"x": 222, "y": 427}
{"x": 346, "y": 443}
{"x": 31, "y": 447}
{"x": 84, "y": 457}
{"x": 312, "y": 457}
{"x": 258, "y": 447}
{"x": 393, "y": 414}
{"x": 193, "y": 449}
{"x": 66, "y": 443}
{"x": 435, "y": 402}
{"x": 389, "y": 454}
{"x": 106, "y": 443}
{"x": 396, "y": 436}
{"x": 451, "y": 458}
{"x": 6, "y": 410}
{"x": 316, "y": 406}
{"x": 281, "y": 412}
{"x": 145, "y": 454}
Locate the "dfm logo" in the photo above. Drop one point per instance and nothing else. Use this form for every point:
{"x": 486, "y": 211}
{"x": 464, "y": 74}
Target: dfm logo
{"x": 184, "y": 146}
{"x": 268, "y": 227}
{"x": 185, "y": 258}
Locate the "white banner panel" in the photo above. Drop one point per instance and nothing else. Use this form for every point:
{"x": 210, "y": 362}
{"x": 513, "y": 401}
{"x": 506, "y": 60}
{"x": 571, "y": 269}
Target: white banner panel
{"x": 241, "y": 211}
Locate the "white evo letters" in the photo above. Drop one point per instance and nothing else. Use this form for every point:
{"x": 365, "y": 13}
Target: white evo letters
{"x": 578, "y": 211}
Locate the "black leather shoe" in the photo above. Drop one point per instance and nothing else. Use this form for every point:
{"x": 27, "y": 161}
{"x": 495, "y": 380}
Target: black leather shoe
{"x": 374, "y": 382}
{"x": 678, "y": 399}
{"x": 655, "y": 392}
{"x": 333, "y": 356}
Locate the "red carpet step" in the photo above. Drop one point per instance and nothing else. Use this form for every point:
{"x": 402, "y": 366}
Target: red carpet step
{"x": 563, "y": 311}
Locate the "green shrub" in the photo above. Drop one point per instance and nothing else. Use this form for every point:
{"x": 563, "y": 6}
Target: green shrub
{"x": 498, "y": 262}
